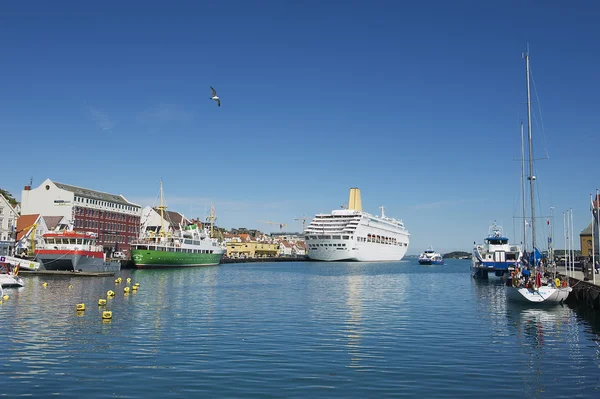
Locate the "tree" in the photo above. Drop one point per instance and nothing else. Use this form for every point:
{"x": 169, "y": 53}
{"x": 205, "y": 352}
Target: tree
{"x": 9, "y": 197}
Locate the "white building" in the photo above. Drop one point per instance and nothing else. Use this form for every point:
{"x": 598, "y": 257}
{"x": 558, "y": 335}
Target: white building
{"x": 8, "y": 217}
{"x": 171, "y": 221}
{"x": 112, "y": 217}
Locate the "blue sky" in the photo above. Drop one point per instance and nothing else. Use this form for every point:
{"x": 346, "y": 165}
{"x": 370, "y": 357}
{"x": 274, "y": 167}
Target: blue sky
{"x": 416, "y": 103}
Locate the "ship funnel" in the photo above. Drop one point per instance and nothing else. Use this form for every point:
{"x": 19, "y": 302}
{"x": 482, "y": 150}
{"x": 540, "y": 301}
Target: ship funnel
{"x": 354, "y": 202}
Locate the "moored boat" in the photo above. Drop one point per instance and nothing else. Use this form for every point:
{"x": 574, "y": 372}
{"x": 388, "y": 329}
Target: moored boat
{"x": 496, "y": 254}
{"x": 9, "y": 275}
{"x": 529, "y": 282}
{"x": 190, "y": 246}
{"x": 353, "y": 235}
{"x": 74, "y": 251}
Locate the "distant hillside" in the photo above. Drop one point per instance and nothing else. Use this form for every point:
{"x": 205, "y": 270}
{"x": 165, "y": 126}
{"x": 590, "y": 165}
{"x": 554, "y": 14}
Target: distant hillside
{"x": 457, "y": 255}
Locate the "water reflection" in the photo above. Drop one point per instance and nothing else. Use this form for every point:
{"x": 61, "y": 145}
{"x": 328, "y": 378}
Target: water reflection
{"x": 353, "y": 323}
{"x": 373, "y": 295}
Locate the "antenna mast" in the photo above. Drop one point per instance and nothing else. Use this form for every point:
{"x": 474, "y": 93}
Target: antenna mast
{"x": 162, "y": 208}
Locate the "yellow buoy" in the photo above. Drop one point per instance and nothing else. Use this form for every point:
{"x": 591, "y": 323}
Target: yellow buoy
{"x": 101, "y": 302}
{"x": 129, "y": 279}
{"x": 126, "y": 289}
{"x": 117, "y": 281}
{"x": 135, "y": 287}
{"x": 70, "y": 286}
{"x": 107, "y": 314}
{"x": 81, "y": 306}
{"x": 44, "y": 284}
{"x": 137, "y": 284}
{"x": 5, "y": 297}
{"x": 110, "y": 293}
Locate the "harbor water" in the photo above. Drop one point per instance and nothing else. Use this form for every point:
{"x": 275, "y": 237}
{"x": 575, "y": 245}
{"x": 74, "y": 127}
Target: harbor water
{"x": 293, "y": 330}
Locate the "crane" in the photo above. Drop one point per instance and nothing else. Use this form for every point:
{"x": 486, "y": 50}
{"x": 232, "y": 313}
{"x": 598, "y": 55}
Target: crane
{"x": 281, "y": 225}
{"x": 304, "y": 219}
{"x": 31, "y": 228}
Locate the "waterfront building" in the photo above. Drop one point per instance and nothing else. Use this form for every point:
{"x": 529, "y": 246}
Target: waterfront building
{"x": 114, "y": 219}
{"x": 171, "y": 221}
{"x": 586, "y": 236}
{"x": 8, "y": 217}
{"x": 244, "y": 247}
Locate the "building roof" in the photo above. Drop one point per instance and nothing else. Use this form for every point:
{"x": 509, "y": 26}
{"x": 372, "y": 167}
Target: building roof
{"x": 11, "y": 209}
{"x": 23, "y": 222}
{"x": 52, "y": 221}
{"x": 587, "y": 231}
{"x": 175, "y": 218}
{"x": 97, "y": 195}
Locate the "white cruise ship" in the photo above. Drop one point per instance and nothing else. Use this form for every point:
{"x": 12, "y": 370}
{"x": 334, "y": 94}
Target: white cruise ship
{"x": 353, "y": 235}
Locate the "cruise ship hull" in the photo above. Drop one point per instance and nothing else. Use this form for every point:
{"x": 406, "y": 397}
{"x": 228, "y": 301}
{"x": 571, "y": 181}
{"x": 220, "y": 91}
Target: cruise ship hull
{"x": 370, "y": 252}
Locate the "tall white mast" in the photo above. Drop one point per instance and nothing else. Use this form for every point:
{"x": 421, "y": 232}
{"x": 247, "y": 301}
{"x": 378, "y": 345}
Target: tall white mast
{"x": 529, "y": 137}
{"x": 524, "y": 214}
{"x": 565, "y": 246}
{"x": 593, "y": 241}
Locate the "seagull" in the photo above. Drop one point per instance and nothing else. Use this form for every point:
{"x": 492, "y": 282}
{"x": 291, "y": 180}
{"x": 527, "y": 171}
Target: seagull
{"x": 214, "y": 96}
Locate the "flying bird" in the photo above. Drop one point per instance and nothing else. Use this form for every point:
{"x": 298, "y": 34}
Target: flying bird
{"x": 214, "y": 96}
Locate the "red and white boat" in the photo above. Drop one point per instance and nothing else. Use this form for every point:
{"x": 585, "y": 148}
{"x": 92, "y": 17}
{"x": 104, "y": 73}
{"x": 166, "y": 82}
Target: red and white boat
{"x": 74, "y": 251}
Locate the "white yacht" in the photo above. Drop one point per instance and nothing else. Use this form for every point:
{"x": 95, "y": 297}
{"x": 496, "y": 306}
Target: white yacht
{"x": 353, "y": 235}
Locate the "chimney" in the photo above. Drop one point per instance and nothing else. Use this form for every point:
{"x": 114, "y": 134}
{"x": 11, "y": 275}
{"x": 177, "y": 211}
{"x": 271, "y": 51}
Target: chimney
{"x": 354, "y": 201}
{"x": 27, "y": 188}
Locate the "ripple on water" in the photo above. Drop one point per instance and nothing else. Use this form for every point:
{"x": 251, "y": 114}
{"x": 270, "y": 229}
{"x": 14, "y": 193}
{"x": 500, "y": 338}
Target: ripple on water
{"x": 294, "y": 330}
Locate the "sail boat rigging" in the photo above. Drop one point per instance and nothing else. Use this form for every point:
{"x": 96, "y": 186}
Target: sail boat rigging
{"x": 519, "y": 287}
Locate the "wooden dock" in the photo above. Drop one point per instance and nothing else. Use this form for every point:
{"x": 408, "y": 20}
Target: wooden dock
{"x": 64, "y": 273}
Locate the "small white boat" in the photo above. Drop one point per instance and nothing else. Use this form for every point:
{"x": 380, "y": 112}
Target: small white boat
{"x": 430, "y": 257}
{"x": 9, "y": 276}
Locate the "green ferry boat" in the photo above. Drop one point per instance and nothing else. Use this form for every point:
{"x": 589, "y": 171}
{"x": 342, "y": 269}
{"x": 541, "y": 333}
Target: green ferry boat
{"x": 197, "y": 250}
{"x": 188, "y": 247}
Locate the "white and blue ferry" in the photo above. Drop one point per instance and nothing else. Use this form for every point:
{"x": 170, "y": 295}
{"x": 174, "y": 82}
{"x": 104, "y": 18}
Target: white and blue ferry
{"x": 496, "y": 254}
{"x": 430, "y": 257}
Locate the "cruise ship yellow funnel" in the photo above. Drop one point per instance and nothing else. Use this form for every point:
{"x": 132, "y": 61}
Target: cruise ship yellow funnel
{"x": 354, "y": 202}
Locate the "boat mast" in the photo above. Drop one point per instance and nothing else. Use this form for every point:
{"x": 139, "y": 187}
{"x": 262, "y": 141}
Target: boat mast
{"x": 162, "y": 208}
{"x": 524, "y": 221}
{"x": 531, "y": 177}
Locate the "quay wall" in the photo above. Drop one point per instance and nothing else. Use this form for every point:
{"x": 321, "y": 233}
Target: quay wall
{"x": 584, "y": 293}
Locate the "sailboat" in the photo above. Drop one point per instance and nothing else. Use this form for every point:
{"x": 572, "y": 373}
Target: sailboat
{"x": 527, "y": 282}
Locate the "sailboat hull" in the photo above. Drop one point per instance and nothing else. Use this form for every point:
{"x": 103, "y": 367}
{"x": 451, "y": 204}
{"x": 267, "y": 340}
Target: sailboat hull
{"x": 544, "y": 294}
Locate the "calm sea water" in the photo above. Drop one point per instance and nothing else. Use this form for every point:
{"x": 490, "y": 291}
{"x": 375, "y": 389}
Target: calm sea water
{"x": 304, "y": 330}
